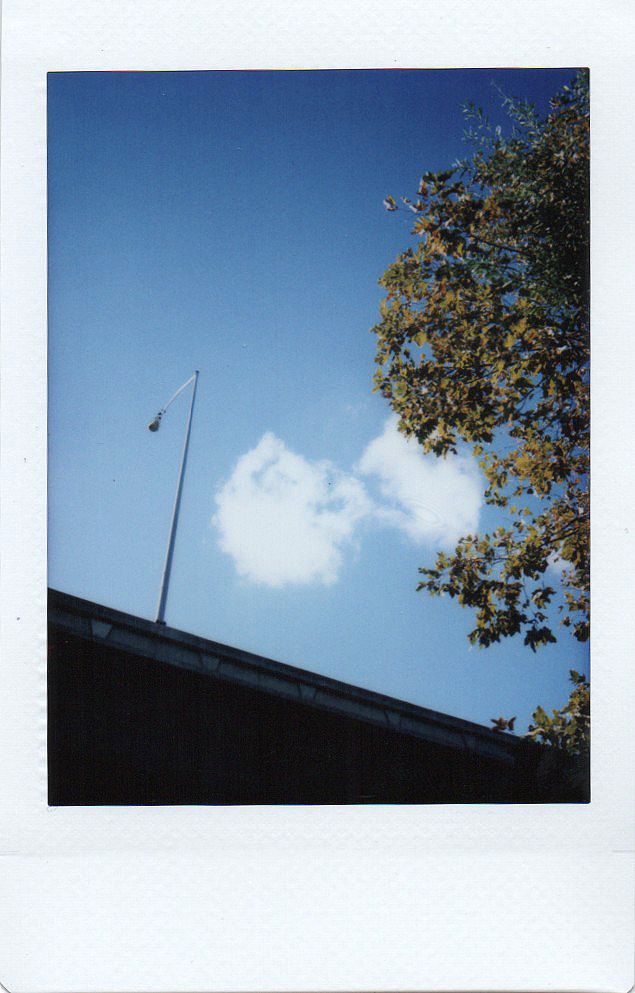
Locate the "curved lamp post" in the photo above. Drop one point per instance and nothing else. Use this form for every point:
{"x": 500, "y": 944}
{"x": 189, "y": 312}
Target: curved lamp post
{"x": 154, "y": 426}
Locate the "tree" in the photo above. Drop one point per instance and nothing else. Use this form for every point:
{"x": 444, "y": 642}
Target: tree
{"x": 567, "y": 729}
{"x": 484, "y": 341}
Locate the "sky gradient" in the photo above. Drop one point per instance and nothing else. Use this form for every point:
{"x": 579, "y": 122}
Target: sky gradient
{"x": 233, "y": 222}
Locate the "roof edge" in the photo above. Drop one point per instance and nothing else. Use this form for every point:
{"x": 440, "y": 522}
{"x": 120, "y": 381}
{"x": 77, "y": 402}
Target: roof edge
{"x": 139, "y": 636}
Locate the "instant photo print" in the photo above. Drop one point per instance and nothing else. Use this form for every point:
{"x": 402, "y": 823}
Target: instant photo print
{"x": 305, "y": 313}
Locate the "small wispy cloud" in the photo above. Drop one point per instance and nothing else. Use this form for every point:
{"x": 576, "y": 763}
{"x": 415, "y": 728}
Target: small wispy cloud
{"x": 286, "y": 520}
{"x": 428, "y": 498}
{"x": 557, "y": 564}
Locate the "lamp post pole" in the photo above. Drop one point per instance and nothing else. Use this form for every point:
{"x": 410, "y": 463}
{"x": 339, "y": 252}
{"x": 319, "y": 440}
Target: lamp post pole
{"x": 167, "y": 568}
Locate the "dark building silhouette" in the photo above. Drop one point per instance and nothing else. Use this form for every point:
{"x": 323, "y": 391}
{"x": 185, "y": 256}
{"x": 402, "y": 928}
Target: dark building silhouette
{"x": 144, "y": 714}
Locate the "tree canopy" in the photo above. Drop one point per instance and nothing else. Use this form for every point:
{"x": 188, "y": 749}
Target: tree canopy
{"x": 484, "y": 342}
{"x": 567, "y": 729}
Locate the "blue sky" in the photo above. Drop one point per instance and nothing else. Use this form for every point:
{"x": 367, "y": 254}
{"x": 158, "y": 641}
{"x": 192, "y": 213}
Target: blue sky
{"x": 233, "y": 222}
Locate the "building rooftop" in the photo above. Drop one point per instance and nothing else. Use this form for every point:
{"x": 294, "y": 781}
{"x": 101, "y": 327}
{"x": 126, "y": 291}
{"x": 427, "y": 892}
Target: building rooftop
{"x": 143, "y": 638}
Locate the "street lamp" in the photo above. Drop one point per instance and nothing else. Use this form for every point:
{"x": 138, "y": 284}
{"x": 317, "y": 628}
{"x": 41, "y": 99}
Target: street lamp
{"x": 154, "y": 426}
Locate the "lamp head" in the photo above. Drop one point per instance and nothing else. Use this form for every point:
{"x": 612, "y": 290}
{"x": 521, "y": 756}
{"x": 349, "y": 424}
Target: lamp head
{"x": 155, "y": 424}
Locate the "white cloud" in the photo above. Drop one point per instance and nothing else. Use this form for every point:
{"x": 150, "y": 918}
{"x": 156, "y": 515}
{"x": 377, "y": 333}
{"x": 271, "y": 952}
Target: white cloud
{"x": 557, "y": 564}
{"x": 286, "y": 520}
{"x": 428, "y": 498}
